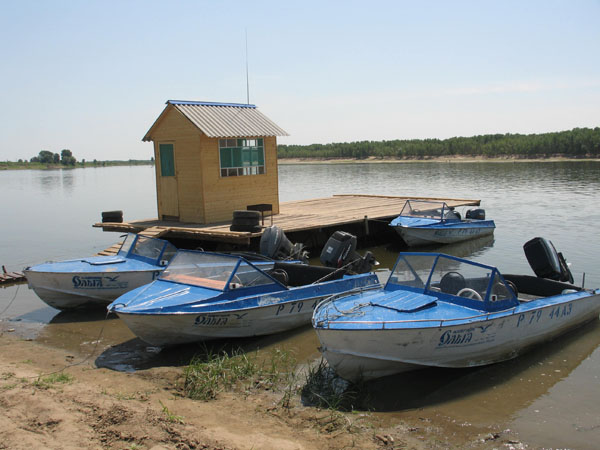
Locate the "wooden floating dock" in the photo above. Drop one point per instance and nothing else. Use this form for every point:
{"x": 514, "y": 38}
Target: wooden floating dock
{"x": 10, "y": 277}
{"x": 310, "y": 222}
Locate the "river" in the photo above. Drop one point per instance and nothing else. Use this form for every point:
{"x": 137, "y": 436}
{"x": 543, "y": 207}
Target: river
{"x": 549, "y": 396}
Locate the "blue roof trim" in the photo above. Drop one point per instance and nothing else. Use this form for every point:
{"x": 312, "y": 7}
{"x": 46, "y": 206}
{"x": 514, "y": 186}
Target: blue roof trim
{"x": 186, "y": 102}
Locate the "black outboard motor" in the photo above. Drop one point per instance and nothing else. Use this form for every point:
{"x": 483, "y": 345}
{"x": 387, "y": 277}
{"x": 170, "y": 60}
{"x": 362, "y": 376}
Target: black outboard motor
{"x": 477, "y": 214}
{"x": 275, "y": 244}
{"x": 545, "y": 261}
{"x": 340, "y": 251}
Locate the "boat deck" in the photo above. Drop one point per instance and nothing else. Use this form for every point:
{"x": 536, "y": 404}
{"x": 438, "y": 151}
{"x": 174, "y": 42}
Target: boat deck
{"x": 340, "y": 212}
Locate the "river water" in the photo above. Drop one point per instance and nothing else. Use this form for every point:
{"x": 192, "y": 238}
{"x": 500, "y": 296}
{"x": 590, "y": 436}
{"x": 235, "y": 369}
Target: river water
{"x": 550, "y": 396}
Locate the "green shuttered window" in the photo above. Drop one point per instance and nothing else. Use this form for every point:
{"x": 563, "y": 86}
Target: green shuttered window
{"x": 167, "y": 160}
{"x": 241, "y": 157}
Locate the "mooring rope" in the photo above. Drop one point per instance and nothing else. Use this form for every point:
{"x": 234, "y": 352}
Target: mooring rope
{"x": 11, "y": 301}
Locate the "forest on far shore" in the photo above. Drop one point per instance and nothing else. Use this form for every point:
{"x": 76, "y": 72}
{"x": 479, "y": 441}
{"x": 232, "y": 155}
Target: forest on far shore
{"x": 576, "y": 143}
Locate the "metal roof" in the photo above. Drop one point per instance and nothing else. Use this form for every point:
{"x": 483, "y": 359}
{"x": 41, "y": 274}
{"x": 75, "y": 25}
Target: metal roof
{"x": 218, "y": 120}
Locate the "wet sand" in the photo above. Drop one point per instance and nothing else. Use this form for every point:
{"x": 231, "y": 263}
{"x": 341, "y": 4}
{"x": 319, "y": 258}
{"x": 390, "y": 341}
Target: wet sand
{"x": 123, "y": 394}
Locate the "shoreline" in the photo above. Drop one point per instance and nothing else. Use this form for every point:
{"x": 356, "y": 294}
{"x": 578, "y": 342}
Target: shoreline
{"x": 87, "y": 165}
{"x": 54, "y": 398}
{"x": 452, "y": 159}
{"x": 292, "y": 161}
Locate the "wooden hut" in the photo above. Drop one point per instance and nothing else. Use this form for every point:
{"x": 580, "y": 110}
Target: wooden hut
{"x": 213, "y": 159}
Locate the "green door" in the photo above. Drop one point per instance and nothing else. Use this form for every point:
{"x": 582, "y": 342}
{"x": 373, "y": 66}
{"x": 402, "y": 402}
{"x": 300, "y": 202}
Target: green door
{"x": 168, "y": 194}
{"x": 167, "y": 160}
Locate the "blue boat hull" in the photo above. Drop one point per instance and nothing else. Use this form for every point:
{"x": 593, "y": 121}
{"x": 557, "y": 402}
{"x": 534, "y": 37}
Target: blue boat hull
{"x": 443, "y": 233}
{"x": 255, "y": 315}
{"x": 366, "y": 352}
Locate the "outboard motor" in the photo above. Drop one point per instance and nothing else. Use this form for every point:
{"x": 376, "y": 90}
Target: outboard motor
{"x": 477, "y": 214}
{"x": 545, "y": 261}
{"x": 340, "y": 251}
{"x": 275, "y": 244}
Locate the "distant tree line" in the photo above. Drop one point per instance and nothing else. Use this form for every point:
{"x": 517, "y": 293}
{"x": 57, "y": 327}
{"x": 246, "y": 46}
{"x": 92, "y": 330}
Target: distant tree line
{"x": 48, "y": 160}
{"x": 576, "y": 143}
{"x": 65, "y": 158}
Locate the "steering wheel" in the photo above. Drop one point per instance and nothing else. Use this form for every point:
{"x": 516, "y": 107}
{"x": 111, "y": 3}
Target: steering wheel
{"x": 470, "y": 293}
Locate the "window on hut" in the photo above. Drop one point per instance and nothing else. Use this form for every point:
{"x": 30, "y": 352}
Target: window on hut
{"x": 241, "y": 157}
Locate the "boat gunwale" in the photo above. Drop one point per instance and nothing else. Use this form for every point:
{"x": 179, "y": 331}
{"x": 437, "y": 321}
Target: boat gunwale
{"x": 527, "y": 306}
{"x": 232, "y": 301}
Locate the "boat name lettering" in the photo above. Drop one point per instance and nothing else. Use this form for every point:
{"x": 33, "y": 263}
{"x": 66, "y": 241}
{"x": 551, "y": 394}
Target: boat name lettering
{"x": 98, "y": 282}
{"x": 81, "y": 282}
{"x": 211, "y": 321}
{"x": 455, "y": 337}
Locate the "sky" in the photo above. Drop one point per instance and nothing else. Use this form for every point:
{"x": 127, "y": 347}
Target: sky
{"x": 93, "y": 76}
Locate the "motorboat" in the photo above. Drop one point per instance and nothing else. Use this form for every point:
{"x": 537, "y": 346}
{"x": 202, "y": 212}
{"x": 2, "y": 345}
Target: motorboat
{"x": 204, "y": 296}
{"x": 427, "y": 222}
{"x": 438, "y": 310}
{"x": 95, "y": 281}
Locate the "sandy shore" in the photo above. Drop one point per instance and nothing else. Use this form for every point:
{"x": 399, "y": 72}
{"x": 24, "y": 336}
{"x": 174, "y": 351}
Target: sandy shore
{"x": 53, "y": 399}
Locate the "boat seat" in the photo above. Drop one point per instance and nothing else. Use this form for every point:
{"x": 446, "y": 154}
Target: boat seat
{"x": 541, "y": 287}
{"x": 303, "y": 274}
{"x": 280, "y": 275}
{"x": 452, "y": 283}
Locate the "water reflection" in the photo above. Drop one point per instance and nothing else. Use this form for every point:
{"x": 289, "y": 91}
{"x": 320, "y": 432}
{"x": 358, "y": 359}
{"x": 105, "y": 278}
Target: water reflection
{"x": 133, "y": 354}
{"x": 49, "y": 181}
{"x": 68, "y": 180}
{"x": 488, "y": 394}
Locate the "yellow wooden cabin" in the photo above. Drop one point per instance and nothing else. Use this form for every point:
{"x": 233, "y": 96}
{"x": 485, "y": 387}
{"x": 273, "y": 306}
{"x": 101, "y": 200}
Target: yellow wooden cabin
{"x": 213, "y": 159}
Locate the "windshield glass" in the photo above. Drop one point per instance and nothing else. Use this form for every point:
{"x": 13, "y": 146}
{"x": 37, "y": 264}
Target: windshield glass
{"x": 437, "y": 273}
{"x": 412, "y": 270}
{"x": 213, "y": 271}
{"x": 424, "y": 209}
{"x": 126, "y": 245}
{"x": 152, "y": 249}
{"x": 459, "y": 278}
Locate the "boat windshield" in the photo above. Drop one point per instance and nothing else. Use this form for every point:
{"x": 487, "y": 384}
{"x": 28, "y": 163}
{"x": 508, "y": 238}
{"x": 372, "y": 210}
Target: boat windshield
{"x": 213, "y": 271}
{"x": 154, "y": 251}
{"x": 453, "y": 279}
{"x": 425, "y": 209}
{"x": 127, "y": 243}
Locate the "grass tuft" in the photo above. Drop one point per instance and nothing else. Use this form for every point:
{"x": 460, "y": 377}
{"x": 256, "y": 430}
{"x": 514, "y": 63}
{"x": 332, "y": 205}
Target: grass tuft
{"x": 170, "y": 416}
{"x": 210, "y": 372}
{"x": 54, "y": 378}
{"x": 324, "y": 389}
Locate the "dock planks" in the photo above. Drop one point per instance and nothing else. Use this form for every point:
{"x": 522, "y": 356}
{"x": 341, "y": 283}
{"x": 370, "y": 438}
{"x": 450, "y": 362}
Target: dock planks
{"x": 295, "y": 216}
{"x": 10, "y": 277}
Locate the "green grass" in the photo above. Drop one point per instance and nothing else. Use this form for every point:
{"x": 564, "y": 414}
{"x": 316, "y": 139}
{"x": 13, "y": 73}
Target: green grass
{"x": 210, "y": 372}
{"x": 52, "y": 379}
{"x": 170, "y": 416}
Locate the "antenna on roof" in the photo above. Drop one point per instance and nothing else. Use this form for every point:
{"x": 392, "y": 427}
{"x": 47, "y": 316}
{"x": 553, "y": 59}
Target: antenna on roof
{"x": 247, "y": 79}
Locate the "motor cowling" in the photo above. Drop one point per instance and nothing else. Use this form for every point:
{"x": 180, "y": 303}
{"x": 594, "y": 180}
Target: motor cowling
{"x": 340, "y": 251}
{"x": 477, "y": 214}
{"x": 545, "y": 261}
{"x": 275, "y": 244}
